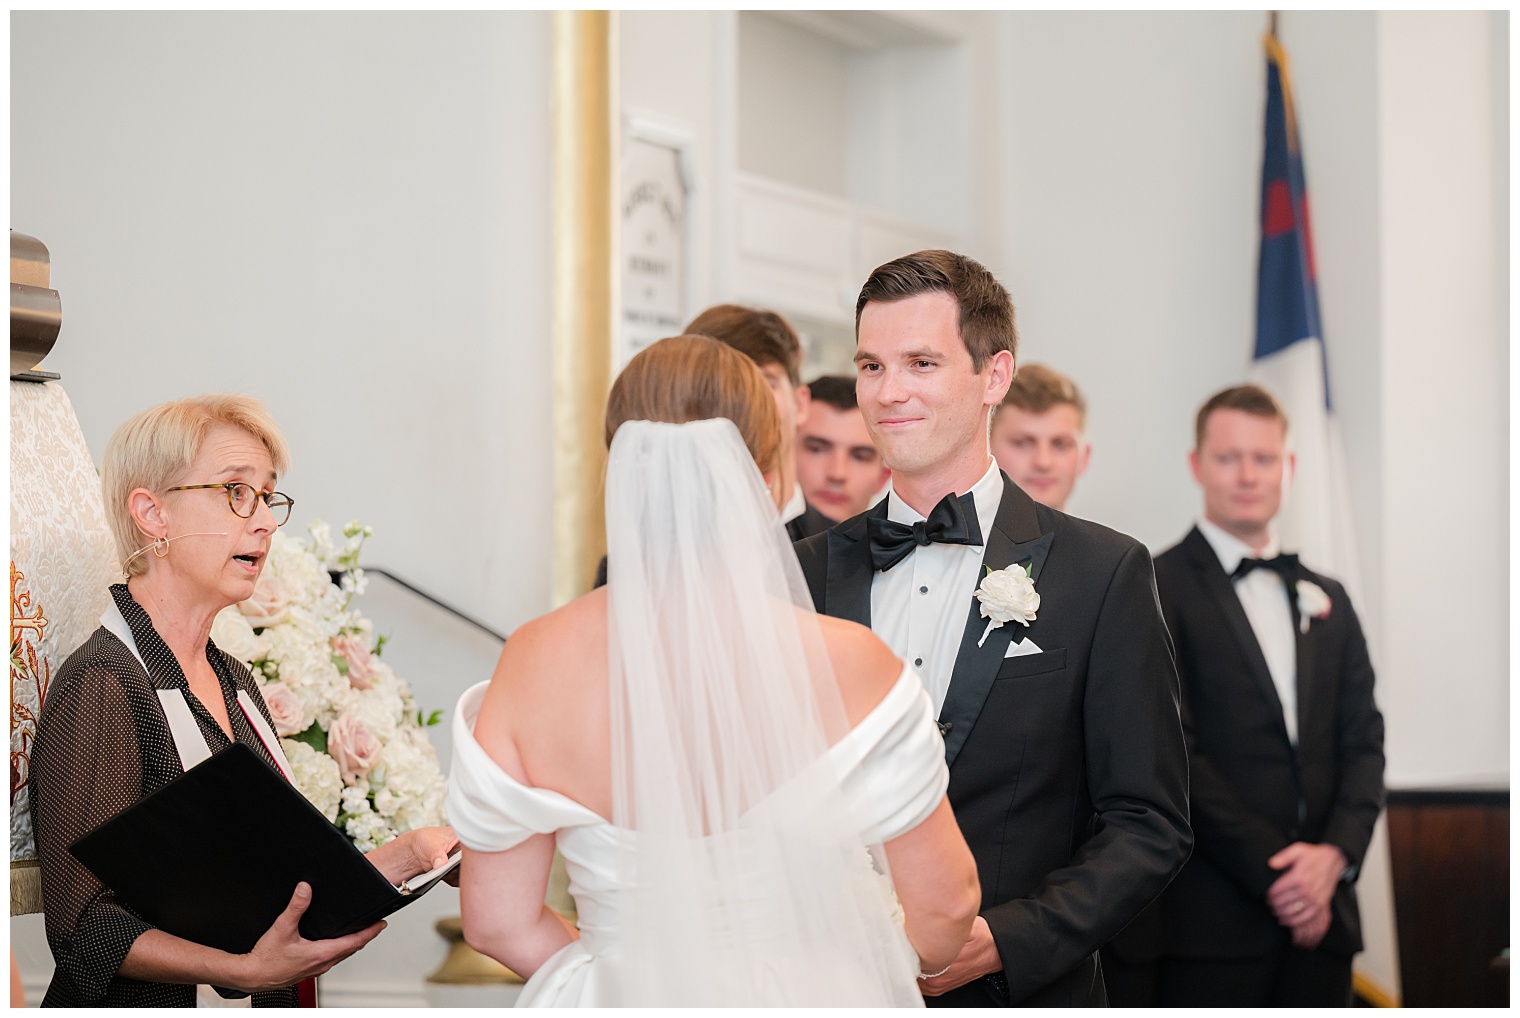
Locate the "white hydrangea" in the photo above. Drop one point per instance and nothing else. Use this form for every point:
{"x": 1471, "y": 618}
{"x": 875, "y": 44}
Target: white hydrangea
{"x": 368, "y": 830}
{"x": 316, "y": 775}
{"x": 297, "y": 650}
{"x": 387, "y": 802}
{"x": 302, "y": 574}
{"x": 355, "y": 799}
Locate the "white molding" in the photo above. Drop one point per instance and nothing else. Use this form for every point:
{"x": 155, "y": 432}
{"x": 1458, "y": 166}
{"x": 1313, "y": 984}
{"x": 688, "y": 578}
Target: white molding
{"x": 803, "y": 252}
{"x": 371, "y": 994}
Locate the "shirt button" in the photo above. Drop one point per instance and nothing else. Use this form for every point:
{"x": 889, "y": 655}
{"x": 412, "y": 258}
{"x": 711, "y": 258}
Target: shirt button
{"x": 918, "y": 662}
{"x": 923, "y": 590}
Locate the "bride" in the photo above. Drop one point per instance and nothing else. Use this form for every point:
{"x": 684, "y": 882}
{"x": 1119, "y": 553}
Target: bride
{"x": 738, "y": 786}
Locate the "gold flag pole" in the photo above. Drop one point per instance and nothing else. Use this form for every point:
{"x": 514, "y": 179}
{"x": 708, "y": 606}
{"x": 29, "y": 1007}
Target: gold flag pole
{"x": 584, "y": 285}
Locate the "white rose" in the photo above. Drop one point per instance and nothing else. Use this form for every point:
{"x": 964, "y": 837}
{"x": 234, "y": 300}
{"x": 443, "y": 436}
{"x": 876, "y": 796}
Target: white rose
{"x": 1313, "y": 603}
{"x": 231, "y": 632}
{"x": 269, "y": 604}
{"x": 1007, "y": 595}
{"x": 285, "y": 708}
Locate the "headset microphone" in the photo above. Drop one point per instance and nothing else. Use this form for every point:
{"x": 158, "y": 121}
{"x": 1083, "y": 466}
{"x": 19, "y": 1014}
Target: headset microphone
{"x": 163, "y": 542}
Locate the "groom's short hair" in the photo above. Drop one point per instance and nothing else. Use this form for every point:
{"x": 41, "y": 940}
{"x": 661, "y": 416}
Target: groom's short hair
{"x": 1250, "y": 399}
{"x": 986, "y": 311}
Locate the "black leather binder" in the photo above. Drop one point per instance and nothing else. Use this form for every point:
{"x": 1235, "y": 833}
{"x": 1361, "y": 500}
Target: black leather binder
{"x": 215, "y": 855}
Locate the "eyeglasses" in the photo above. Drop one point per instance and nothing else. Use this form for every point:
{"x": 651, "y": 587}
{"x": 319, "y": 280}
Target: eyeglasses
{"x": 244, "y": 499}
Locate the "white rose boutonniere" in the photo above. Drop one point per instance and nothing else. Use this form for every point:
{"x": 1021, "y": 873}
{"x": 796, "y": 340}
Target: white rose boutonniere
{"x": 1007, "y": 595}
{"x": 1313, "y": 603}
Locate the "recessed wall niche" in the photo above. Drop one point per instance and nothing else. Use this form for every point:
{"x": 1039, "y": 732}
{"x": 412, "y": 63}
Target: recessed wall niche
{"x": 851, "y": 149}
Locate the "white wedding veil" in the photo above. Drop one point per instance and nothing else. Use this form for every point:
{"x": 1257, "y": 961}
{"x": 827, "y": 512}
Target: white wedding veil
{"x": 745, "y": 879}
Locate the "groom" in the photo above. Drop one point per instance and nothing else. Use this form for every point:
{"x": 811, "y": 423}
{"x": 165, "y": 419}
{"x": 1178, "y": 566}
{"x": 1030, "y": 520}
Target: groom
{"x": 1068, "y": 774}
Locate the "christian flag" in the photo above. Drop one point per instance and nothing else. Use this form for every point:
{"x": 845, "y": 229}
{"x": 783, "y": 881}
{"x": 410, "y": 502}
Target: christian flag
{"x": 1290, "y": 358}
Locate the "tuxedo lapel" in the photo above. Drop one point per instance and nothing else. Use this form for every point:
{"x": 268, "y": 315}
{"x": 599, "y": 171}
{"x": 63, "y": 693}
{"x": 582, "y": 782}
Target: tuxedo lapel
{"x": 1212, "y": 578}
{"x": 847, "y": 593}
{"x": 1015, "y": 540}
{"x": 1304, "y": 645}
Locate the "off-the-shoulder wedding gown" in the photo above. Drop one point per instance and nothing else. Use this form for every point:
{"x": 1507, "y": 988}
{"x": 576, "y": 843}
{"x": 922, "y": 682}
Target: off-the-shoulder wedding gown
{"x": 892, "y": 769}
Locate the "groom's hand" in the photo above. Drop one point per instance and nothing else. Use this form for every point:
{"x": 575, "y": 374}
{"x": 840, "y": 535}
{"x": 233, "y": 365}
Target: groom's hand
{"x": 979, "y": 957}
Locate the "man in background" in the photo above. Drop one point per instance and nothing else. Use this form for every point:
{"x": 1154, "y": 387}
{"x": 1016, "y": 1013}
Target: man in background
{"x": 1038, "y": 434}
{"x": 838, "y": 467}
{"x": 1285, "y": 743}
{"x": 768, "y": 340}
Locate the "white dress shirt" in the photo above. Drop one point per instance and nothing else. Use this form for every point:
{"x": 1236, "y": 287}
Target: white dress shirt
{"x": 920, "y": 605}
{"x": 1262, "y": 595}
{"x": 795, "y": 506}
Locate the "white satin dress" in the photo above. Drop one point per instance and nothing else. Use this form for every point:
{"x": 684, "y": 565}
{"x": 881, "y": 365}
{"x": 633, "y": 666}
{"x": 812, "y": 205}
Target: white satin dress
{"x": 891, "y": 764}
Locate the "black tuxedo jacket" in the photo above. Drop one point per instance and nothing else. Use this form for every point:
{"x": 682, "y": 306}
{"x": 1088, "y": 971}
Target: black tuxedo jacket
{"x": 809, "y": 523}
{"x": 1252, "y": 793}
{"x": 1068, "y": 775}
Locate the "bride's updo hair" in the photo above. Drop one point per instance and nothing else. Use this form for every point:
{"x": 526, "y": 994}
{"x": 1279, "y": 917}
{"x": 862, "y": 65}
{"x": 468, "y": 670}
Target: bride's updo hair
{"x": 694, "y": 378}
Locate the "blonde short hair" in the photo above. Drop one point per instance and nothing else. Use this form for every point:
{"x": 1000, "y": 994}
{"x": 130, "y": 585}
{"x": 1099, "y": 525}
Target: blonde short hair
{"x": 153, "y": 448}
{"x": 1036, "y": 389}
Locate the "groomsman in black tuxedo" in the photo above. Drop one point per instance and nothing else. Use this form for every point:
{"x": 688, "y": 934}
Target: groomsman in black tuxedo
{"x": 770, "y": 341}
{"x": 1284, "y": 740}
{"x": 1059, "y": 711}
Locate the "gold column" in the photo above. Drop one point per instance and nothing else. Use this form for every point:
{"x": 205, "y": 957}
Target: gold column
{"x": 584, "y": 288}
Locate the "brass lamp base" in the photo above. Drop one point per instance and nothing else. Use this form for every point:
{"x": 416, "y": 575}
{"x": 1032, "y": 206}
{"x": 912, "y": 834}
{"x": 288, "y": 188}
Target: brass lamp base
{"x": 465, "y": 965}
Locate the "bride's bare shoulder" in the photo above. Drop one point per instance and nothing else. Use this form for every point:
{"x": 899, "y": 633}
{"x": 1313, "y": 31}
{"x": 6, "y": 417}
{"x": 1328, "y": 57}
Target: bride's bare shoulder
{"x": 559, "y": 638}
{"x": 542, "y": 655}
{"x": 864, "y": 666}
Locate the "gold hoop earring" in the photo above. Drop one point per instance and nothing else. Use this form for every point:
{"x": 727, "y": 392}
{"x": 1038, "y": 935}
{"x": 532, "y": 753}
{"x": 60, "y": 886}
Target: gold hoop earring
{"x": 160, "y": 547}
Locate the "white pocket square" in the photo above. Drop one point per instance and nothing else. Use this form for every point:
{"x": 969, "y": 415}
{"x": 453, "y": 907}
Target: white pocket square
{"x": 1024, "y": 646}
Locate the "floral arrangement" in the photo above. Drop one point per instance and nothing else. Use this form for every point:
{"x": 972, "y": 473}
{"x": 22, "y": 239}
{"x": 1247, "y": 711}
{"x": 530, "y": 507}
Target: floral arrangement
{"x": 357, "y": 745}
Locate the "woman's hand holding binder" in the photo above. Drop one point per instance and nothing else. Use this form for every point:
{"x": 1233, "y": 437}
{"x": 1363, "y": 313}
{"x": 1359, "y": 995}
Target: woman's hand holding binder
{"x": 282, "y": 956}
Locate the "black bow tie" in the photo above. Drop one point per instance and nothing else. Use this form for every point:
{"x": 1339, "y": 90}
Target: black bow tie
{"x": 952, "y": 521}
{"x": 1285, "y": 566}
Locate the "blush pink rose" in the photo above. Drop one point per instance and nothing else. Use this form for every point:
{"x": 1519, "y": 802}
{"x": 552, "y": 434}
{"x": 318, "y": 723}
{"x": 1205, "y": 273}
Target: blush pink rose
{"x": 354, "y": 746}
{"x": 269, "y": 604}
{"x": 361, "y": 663}
{"x": 284, "y": 708}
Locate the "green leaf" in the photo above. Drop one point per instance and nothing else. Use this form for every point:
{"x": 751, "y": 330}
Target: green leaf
{"x": 433, "y": 718}
{"x": 341, "y": 663}
{"x": 419, "y": 719}
{"x": 379, "y": 642}
{"x": 313, "y": 737}
{"x": 1029, "y": 570}
{"x": 988, "y": 568}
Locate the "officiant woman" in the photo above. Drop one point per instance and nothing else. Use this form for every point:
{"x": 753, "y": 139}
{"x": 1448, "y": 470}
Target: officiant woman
{"x": 189, "y": 495}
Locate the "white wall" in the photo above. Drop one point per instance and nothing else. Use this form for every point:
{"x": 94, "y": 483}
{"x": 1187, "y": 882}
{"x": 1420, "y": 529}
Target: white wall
{"x": 1445, "y": 397}
{"x": 794, "y": 104}
{"x": 1131, "y": 147}
{"x": 346, "y": 215}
